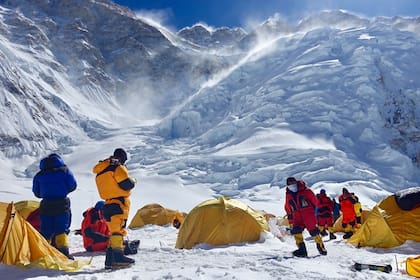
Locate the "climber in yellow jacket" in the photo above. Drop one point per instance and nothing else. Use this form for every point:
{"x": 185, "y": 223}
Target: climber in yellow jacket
{"x": 114, "y": 186}
{"x": 358, "y": 210}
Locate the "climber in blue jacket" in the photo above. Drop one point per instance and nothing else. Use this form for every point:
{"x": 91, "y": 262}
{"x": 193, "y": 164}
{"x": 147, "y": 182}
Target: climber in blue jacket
{"x": 52, "y": 184}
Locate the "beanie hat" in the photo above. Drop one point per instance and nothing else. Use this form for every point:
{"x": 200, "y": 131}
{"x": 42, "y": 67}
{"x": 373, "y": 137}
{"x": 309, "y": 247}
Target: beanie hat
{"x": 322, "y": 191}
{"x": 291, "y": 181}
{"x": 345, "y": 190}
{"x": 121, "y": 155}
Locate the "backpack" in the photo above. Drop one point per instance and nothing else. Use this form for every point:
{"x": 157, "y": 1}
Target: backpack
{"x": 95, "y": 231}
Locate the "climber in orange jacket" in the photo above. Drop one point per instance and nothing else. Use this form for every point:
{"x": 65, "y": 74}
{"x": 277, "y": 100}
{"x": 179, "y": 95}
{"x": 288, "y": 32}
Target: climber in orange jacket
{"x": 347, "y": 201}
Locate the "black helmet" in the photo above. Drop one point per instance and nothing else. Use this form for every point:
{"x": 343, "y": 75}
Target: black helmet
{"x": 121, "y": 155}
{"x": 291, "y": 181}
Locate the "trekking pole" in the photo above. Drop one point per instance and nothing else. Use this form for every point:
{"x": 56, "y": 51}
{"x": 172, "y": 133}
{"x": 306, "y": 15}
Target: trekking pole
{"x": 396, "y": 262}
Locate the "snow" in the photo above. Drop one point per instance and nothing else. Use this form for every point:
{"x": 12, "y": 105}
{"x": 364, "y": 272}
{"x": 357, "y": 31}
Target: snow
{"x": 309, "y": 104}
{"x": 158, "y": 258}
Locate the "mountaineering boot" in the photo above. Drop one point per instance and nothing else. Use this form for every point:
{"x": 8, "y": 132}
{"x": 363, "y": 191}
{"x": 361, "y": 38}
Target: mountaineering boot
{"x": 301, "y": 252}
{"x": 115, "y": 258}
{"x": 109, "y": 258}
{"x": 65, "y": 251}
{"x": 347, "y": 235}
{"x": 321, "y": 249}
{"x": 332, "y": 236}
{"x": 61, "y": 242}
{"x": 320, "y": 245}
{"x": 119, "y": 260}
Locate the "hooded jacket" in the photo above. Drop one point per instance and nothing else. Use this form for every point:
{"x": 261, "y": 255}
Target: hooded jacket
{"x": 325, "y": 205}
{"x": 300, "y": 206}
{"x": 112, "y": 179}
{"x": 347, "y": 201}
{"x": 54, "y": 180}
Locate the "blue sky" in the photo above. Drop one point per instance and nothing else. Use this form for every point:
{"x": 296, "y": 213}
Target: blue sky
{"x": 239, "y": 13}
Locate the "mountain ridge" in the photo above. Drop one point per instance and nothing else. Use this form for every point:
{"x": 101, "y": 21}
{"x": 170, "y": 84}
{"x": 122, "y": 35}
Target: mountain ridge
{"x": 78, "y": 70}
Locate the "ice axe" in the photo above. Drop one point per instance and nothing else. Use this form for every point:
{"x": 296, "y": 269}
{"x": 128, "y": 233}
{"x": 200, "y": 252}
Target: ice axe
{"x": 383, "y": 268}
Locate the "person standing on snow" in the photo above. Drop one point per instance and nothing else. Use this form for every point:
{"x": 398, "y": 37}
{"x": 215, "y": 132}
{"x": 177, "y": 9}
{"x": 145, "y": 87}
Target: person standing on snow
{"x": 347, "y": 201}
{"x": 53, "y": 183}
{"x": 300, "y": 207}
{"x": 325, "y": 214}
{"x": 358, "y": 210}
{"x": 114, "y": 186}
{"x": 336, "y": 210}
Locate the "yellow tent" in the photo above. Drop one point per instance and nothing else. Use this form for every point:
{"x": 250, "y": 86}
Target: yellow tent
{"x": 221, "y": 221}
{"x": 413, "y": 266}
{"x": 25, "y": 207}
{"x": 155, "y": 214}
{"x": 22, "y": 245}
{"x": 388, "y": 225}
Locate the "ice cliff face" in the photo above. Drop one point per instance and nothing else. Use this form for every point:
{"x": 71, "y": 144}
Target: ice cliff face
{"x": 74, "y": 70}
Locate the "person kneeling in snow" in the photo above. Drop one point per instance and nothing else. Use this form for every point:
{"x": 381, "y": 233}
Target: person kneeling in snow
{"x": 95, "y": 231}
{"x": 300, "y": 207}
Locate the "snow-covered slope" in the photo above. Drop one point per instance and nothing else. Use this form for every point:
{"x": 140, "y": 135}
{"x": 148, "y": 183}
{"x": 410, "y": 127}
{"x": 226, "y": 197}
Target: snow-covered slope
{"x": 71, "y": 67}
{"x": 333, "y": 100}
{"x": 335, "y": 96}
{"x": 351, "y": 87}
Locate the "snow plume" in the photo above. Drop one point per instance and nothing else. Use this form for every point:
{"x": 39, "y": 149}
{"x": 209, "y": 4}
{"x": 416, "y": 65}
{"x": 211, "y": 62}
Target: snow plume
{"x": 262, "y": 47}
{"x": 205, "y": 26}
{"x": 141, "y": 100}
{"x": 338, "y": 19}
{"x": 156, "y": 17}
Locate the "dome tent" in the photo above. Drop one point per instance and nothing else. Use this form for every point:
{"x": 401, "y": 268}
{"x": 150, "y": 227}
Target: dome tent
{"x": 391, "y": 222}
{"x": 221, "y": 221}
{"x": 22, "y": 245}
{"x": 155, "y": 214}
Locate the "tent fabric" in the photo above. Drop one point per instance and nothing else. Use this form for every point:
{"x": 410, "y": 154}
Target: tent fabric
{"x": 155, "y": 214}
{"x": 29, "y": 210}
{"x": 408, "y": 199}
{"x": 388, "y": 226}
{"x": 26, "y": 207}
{"x": 22, "y": 245}
{"x": 413, "y": 266}
{"x": 221, "y": 221}
{"x": 34, "y": 219}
